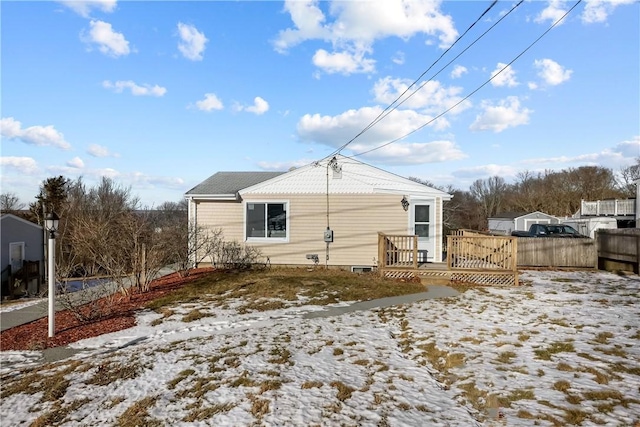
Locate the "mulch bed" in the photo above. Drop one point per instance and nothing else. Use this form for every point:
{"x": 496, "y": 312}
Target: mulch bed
{"x": 34, "y": 335}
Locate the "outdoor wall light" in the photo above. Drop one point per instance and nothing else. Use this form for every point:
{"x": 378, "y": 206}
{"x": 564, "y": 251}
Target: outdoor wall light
{"x": 405, "y": 203}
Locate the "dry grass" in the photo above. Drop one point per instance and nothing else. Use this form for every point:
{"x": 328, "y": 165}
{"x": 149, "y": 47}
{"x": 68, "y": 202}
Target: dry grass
{"x": 562, "y": 385}
{"x": 281, "y": 356}
{"x": 554, "y": 348}
{"x": 311, "y": 384}
{"x": 58, "y": 413}
{"x": 278, "y": 287}
{"x": 201, "y": 414}
{"x": 181, "y": 376}
{"x": 50, "y": 379}
{"x": 108, "y": 372}
{"x": 194, "y": 315}
{"x": 344, "y": 391}
{"x": 138, "y": 414}
{"x": 506, "y": 357}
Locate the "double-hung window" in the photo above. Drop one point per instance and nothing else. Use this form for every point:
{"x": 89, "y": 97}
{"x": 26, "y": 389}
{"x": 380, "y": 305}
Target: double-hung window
{"x": 266, "y": 220}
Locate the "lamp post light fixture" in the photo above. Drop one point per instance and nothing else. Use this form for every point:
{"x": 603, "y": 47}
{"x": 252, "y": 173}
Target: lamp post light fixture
{"x": 51, "y": 224}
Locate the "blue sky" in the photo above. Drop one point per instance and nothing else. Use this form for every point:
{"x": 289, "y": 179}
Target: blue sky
{"x": 161, "y": 95}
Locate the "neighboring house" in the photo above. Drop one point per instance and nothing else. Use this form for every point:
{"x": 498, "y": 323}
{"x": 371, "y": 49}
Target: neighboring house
{"x": 287, "y": 214}
{"x": 506, "y": 222}
{"x": 22, "y": 241}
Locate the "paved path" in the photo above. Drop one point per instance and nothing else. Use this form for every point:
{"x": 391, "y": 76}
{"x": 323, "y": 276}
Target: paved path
{"x": 433, "y": 291}
{"x": 34, "y": 312}
{"x": 31, "y": 313}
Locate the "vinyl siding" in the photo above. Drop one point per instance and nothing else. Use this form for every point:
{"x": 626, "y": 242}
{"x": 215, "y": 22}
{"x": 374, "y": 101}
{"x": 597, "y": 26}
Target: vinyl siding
{"x": 354, "y": 219}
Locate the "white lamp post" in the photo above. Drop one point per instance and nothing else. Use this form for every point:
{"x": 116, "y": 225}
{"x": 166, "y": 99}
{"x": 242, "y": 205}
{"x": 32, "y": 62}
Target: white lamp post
{"x": 51, "y": 224}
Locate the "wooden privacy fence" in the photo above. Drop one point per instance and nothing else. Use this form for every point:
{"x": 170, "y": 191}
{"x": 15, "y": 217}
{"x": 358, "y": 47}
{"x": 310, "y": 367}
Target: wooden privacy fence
{"x": 620, "y": 246}
{"x": 471, "y": 257}
{"x": 556, "y": 252}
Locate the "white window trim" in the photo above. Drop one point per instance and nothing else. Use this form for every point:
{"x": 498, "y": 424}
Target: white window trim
{"x": 266, "y": 239}
{"x": 23, "y": 252}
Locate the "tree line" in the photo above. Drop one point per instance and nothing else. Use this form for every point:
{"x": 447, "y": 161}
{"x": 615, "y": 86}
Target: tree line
{"x": 558, "y": 193}
{"x": 105, "y": 230}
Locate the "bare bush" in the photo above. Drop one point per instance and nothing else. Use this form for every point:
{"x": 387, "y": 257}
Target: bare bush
{"x": 233, "y": 255}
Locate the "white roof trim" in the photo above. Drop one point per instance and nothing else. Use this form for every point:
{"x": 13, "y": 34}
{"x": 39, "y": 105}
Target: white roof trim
{"x": 211, "y": 197}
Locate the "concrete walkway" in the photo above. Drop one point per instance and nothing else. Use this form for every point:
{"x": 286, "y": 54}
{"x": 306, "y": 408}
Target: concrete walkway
{"x": 433, "y": 291}
{"x": 34, "y": 312}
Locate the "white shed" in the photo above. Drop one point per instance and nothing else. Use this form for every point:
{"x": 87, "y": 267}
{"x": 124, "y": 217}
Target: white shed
{"x": 506, "y": 222}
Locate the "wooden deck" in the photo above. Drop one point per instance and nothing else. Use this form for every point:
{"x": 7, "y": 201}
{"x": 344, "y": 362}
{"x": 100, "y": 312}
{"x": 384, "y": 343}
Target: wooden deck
{"x": 471, "y": 258}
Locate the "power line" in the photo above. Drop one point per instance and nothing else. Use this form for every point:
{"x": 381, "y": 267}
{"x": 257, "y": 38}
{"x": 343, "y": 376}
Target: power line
{"x": 381, "y": 116}
{"x": 389, "y": 107}
{"x": 475, "y": 90}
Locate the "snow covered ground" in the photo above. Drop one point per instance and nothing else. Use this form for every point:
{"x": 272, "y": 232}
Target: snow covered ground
{"x": 564, "y": 349}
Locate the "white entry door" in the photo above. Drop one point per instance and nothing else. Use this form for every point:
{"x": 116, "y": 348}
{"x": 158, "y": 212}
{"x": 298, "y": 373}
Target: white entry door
{"x": 16, "y": 252}
{"x": 422, "y": 225}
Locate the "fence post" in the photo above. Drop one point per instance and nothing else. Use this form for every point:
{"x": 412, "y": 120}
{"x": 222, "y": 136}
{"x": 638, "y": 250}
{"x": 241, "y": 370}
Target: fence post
{"x": 381, "y": 260}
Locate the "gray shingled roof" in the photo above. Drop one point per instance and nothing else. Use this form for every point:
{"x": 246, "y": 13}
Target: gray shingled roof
{"x": 509, "y": 215}
{"x": 230, "y": 182}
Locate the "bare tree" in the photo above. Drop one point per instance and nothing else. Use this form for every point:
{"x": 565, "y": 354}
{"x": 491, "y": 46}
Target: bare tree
{"x": 489, "y": 193}
{"x": 10, "y": 203}
{"x": 627, "y": 178}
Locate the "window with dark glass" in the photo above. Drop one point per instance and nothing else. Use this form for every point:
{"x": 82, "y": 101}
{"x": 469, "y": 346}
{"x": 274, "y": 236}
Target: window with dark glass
{"x": 422, "y": 220}
{"x": 266, "y": 220}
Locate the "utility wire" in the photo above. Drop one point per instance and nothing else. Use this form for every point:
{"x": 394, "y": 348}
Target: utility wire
{"x": 383, "y": 114}
{"x": 389, "y": 107}
{"x": 475, "y": 90}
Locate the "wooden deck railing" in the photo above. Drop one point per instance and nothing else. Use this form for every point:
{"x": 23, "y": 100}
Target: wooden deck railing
{"x": 471, "y": 257}
{"x": 397, "y": 251}
{"x": 481, "y": 252}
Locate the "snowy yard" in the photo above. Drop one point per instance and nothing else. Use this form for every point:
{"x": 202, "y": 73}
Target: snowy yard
{"x": 563, "y": 349}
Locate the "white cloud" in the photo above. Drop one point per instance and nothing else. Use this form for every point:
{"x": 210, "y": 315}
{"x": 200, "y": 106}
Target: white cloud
{"x": 109, "y": 42}
{"x": 353, "y": 27}
{"x": 551, "y": 72}
{"x": 260, "y": 106}
{"x": 84, "y": 8}
{"x": 630, "y": 148}
{"x": 283, "y": 166}
{"x": 96, "y": 150}
{"x": 76, "y": 163}
{"x": 150, "y": 181}
{"x": 620, "y": 155}
{"x": 334, "y": 131}
{"x": 484, "y": 171}
{"x": 555, "y": 10}
{"x": 209, "y": 103}
{"x": 136, "y": 90}
{"x": 599, "y": 10}
{"x": 398, "y": 58}
{"x": 432, "y": 98}
{"x": 532, "y": 85}
{"x": 507, "y": 113}
{"x": 192, "y": 43}
{"x": 458, "y": 71}
{"x": 413, "y": 153}
{"x": 343, "y": 62}
{"x": 34, "y": 135}
{"x": 506, "y": 77}
{"x": 25, "y": 165}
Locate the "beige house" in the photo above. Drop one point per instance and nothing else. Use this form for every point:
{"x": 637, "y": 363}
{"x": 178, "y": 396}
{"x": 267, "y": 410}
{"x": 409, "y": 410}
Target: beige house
{"x": 333, "y": 208}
